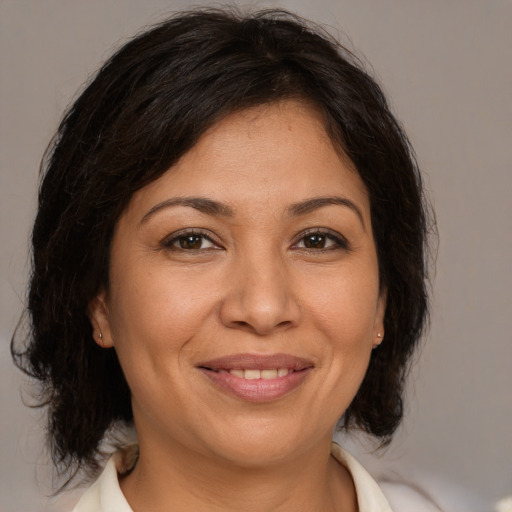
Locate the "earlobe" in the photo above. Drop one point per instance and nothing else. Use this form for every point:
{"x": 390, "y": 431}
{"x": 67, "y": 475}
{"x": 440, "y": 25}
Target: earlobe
{"x": 99, "y": 317}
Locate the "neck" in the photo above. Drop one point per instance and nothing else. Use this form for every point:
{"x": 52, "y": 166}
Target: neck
{"x": 180, "y": 479}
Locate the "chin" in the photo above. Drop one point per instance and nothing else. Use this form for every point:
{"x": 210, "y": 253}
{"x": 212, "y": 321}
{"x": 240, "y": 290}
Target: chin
{"x": 264, "y": 442}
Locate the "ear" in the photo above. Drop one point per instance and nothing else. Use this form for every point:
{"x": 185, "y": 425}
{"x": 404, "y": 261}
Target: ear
{"x": 378, "y": 328}
{"x": 99, "y": 318}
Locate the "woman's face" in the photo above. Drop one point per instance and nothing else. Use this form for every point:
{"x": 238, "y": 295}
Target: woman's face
{"x": 244, "y": 295}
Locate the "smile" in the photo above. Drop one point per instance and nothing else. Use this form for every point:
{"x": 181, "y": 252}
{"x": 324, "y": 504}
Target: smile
{"x": 252, "y": 374}
{"x": 256, "y": 378}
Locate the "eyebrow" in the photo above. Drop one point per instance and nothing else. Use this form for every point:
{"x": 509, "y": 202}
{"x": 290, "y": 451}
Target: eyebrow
{"x": 304, "y": 207}
{"x": 211, "y": 207}
{"x": 202, "y": 204}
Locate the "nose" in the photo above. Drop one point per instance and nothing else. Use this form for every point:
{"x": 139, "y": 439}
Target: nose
{"x": 260, "y": 297}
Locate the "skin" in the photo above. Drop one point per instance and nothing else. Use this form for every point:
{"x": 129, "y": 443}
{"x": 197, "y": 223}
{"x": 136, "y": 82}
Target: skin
{"x": 256, "y": 285}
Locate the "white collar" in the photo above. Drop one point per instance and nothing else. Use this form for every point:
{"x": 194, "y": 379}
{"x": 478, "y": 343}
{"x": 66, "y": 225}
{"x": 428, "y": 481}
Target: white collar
{"x": 105, "y": 494}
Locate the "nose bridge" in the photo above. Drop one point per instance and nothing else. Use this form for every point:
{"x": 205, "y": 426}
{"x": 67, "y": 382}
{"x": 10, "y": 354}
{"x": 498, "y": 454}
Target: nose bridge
{"x": 261, "y": 296}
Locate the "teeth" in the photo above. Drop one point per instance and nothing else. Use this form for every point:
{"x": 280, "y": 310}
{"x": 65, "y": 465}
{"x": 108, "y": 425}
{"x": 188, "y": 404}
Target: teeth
{"x": 251, "y": 374}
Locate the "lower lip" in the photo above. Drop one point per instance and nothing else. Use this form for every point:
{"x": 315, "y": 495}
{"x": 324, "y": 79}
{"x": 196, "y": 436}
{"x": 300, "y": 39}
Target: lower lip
{"x": 257, "y": 390}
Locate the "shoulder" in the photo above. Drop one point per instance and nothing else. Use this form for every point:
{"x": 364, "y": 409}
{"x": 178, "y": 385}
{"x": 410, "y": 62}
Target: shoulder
{"x": 405, "y": 497}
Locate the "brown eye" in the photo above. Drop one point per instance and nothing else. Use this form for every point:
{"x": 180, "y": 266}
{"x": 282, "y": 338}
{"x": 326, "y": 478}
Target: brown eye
{"x": 315, "y": 241}
{"x": 322, "y": 240}
{"x": 191, "y": 242}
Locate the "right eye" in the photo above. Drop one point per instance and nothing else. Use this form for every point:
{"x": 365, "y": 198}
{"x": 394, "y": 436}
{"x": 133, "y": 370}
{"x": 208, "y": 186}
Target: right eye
{"x": 189, "y": 241}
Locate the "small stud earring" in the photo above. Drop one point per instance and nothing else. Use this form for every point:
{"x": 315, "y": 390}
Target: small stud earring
{"x": 379, "y": 335}
{"x": 100, "y": 335}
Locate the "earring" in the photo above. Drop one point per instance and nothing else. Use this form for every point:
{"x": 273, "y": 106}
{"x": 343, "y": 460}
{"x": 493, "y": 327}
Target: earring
{"x": 100, "y": 335}
{"x": 377, "y": 345}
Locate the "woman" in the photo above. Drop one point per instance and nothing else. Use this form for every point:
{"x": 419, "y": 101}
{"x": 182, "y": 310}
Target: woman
{"x": 229, "y": 254}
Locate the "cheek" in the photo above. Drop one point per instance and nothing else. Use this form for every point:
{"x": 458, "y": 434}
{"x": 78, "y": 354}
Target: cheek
{"x": 153, "y": 316}
{"x": 156, "y": 303}
{"x": 151, "y": 325}
{"x": 345, "y": 310}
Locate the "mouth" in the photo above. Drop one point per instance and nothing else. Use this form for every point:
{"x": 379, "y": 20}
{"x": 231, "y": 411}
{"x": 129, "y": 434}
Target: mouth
{"x": 254, "y": 373}
{"x": 257, "y": 378}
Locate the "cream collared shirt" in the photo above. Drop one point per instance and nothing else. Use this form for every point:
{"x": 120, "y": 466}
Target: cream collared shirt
{"x": 105, "y": 494}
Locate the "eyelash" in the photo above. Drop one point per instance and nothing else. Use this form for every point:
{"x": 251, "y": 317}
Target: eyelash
{"x": 339, "y": 241}
{"x": 169, "y": 243}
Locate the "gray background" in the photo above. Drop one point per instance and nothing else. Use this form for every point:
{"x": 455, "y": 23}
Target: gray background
{"x": 447, "y": 67}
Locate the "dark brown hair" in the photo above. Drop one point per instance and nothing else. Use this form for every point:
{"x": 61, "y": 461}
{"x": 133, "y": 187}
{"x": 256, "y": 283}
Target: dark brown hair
{"x": 146, "y": 107}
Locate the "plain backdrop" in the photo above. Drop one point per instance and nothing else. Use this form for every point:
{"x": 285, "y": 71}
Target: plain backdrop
{"x": 447, "y": 67}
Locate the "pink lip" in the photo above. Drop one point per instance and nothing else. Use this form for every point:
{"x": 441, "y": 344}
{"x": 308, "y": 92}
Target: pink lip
{"x": 257, "y": 390}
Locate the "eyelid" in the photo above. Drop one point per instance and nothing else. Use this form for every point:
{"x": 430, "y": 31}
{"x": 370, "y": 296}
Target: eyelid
{"x": 341, "y": 241}
{"x": 168, "y": 240}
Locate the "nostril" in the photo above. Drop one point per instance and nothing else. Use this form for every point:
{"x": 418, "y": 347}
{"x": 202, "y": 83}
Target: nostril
{"x": 240, "y": 323}
{"x": 259, "y": 328}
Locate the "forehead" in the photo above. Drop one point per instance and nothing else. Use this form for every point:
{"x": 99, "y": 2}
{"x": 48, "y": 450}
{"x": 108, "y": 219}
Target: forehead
{"x": 271, "y": 155}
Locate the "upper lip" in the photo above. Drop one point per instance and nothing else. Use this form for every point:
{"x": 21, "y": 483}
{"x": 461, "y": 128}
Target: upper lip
{"x": 257, "y": 362}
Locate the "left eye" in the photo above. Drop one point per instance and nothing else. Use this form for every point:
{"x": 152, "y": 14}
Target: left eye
{"x": 190, "y": 242}
{"x": 319, "y": 240}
